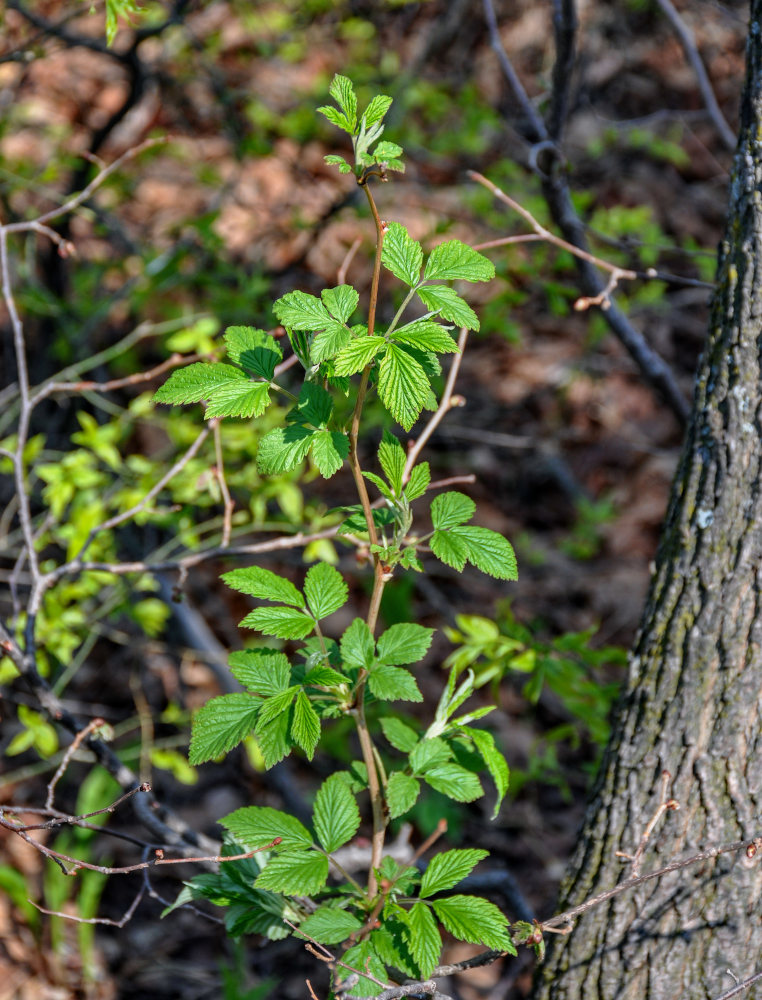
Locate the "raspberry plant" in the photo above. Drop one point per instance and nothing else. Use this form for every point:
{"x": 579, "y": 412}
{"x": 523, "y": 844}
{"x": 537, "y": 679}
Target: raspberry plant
{"x": 387, "y": 926}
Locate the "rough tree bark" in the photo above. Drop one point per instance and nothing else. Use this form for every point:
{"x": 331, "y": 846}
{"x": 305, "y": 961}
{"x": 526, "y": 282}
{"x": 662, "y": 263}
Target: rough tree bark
{"x": 693, "y": 701}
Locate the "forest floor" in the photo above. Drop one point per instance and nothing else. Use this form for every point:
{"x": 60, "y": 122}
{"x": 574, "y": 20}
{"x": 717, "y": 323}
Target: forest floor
{"x": 573, "y": 453}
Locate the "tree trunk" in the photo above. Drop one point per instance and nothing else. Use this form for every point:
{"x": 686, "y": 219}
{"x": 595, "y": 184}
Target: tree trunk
{"x": 693, "y": 701}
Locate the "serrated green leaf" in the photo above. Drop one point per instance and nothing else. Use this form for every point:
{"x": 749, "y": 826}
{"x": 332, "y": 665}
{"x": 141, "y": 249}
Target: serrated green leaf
{"x": 329, "y": 451}
{"x": 197, "y": 382}
{"x": 340, "y": 301}
{"x": 302, "y": 311}
{"x": 488, "y": 551}
{"x": 329, "y": 342}
{"x": 256, "y": 826}
{"x": 324, "y": 677}
{"x": 470, "y": 918}
{"x": 337, "y": 161}
{"x": 363, "y": 958}
{"x": 221, "y": 724}
{"x": 283, "y": 448}
{"x": 376, "y": 110}
{"x": 395, "y": 165}
{"x": 336, "y": 816}
{"x": 450, "y": 549}
{"x": 357, "y": 647}
{"x": 425, "y": 941}
{"x": 330, "y": 925}
{"x": 392, "y": 457}
{"x": 393, "y": 684}
{"x": 454, "y": 781}
{"x": 402, "y": 385}
{"x": 256, "y": 581}
{"x": 297, "y": 873}
{"x": 448, "y": 868}
{"x": 496, "y": 763}
{"x": 357, "y": 354}
{"x": 390, "y": 942}
{"x": 305, "y": 725}
{"x": 402, "y": 255}
{"x": 263, "y": 671}
{"x": 325, "y": 590}
{"x": 377, "y": 481}
{"x": 426, "y": 335}
{"x": 255, "y": 350}
{"x": 455, "y": 260}
{"x": 419, "y": 481}
{"x": 342, "y": 91}
{"x": 276, "y": 705}
{"x": 429, "y": 753}
{"x": 273, "y": 741}
{"x": 238, "y": 399}
{"x": 314, "y": 407}
{"x": 336, "y": 117}
{"x": 402, "y": 792}
{"x": 406, "y": 642}
{"x": 387, "y": 151}
{"x": 285, "y": 623}
{"x": 446, "y": 302}
{"x": 401, "y": 736}
{"x": 450, "y": 509}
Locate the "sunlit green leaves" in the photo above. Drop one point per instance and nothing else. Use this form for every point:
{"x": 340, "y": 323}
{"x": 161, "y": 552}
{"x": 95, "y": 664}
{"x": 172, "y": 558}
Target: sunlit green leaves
{"x": 263, "y": 671}
{"x": 425, "y": 941}
{"x": 298, "y": 873}
{"x": 226, "y": 390}
{"x": 448, "y": 868}
{"x": 305, "y": 725}
{"x": 403, "y": 385}
{"x": 221, "y": 724}
{"x": 357, "y": 354}
{"x": 453, "y": 260}
{"x": 446, "y": 302}
{"x": 336, "y": 816}
{"x": 357, "y": 646}
{"x": 402, "y": 255}
{"x": 284, "y": 623}
{"x": 330, "y": 925}
{"x": 426, "y": 335}
{"x": 393, "y": 684}
{"x": 454, "y": 781}
{"x": 325, "y": 590}
{"x": 254, "y": 350}
{"x": 470, "y": 918}
{"x": 341, "y": 301}
{"x": 392, "y": 457}
{"x": 404, "y": 643}
{"x": 283, "y": 448}
{"x": 456, "y": 543}
{"x": 377, "y": 109}
{"x": 402, "y": 793}
{"x": 449, "y": 509}
{"x": 257, "y": 826}
{"x": 256, "y": 581}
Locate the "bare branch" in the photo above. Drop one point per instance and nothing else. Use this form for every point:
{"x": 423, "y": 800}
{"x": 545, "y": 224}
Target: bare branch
{"x": 740, "y": 987}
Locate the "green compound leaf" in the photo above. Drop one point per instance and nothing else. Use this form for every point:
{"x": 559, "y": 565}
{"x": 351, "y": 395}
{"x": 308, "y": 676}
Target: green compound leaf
{"x": 285, "y": 623}
{"x": 379, "y": 482}
{"x": 255, "y": 350}
{"x": 343, "y": 92}
{"x": 329, "y": 451}
{"x": 419, "y": 481}
{"x": 402, "y": 385}
{"x": 402, "y": 737}
{"x": 336, "y": 816}
{"x": 262, "y": 671}
{"x": 357, "y": 354}
{"x": 376, "y": 110}
{"x": 276, "y": 706}
{"x": 357, "y": 646}
{"x": 337, "y": 161}
{"x": 402, "y": 255}
{"x": 455, "y": 782}
{"x": 329, "y": 342}
{"x": 447, "y": 547}
{"x": 402, "y": 793}
{"x": 426, "y": 335}
{"x": 488, "y": 551}
{"x": 425, "y": 941}
{"x": 325, "y": 590}
{"x": 393, "y": 684}
{"x": 470, "y": 918}
{"x": 363, "y": 957}
{"x": 238, "y": 399}
{"x": 404, "y": 643}
{"x": 301, "y": 311}
{"x": 263, "y": 583}
{"x": 449, "y": 305}
{"x": 496, "y": 763}
{"x": 221, "y": 725}
{"x": 447, "y": 869}
{"x": 454, "y": 260}
{"x": 283, "y": 448}
{"x": 273, "y": 740}
{"x": 341, "y": 301}
{"x": 337, "y": 118}
{"x": 296, "y": 873}
{"x": 197, "y": 382}
{"x": 256, "y": 826}
{"x": 392, "y": 457}
{"x": 330, "y": 925}
{"x": 314, "y": 406}
{"x": 387, "y": 151}
{"x": 429, "y": 753}
{"x": 305, "y": 725}
{"x": 450, "y": 509}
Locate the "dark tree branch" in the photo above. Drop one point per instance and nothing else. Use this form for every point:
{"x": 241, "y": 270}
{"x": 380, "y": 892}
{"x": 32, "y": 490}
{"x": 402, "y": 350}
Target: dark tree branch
{"x": 565, "y": 32}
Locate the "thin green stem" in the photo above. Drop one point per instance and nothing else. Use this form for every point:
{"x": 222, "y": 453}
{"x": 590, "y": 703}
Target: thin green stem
{"x": 402, "y": 308}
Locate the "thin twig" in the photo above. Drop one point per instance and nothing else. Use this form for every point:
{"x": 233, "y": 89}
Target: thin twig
{"x": 341, "y": 275}
{"x": 666, "y": 804}
{"x": 122, "y": 922}
{"x": 688, "y": 43}
{"x": 740, "y": 987}
{"x": 70, "y": 751}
